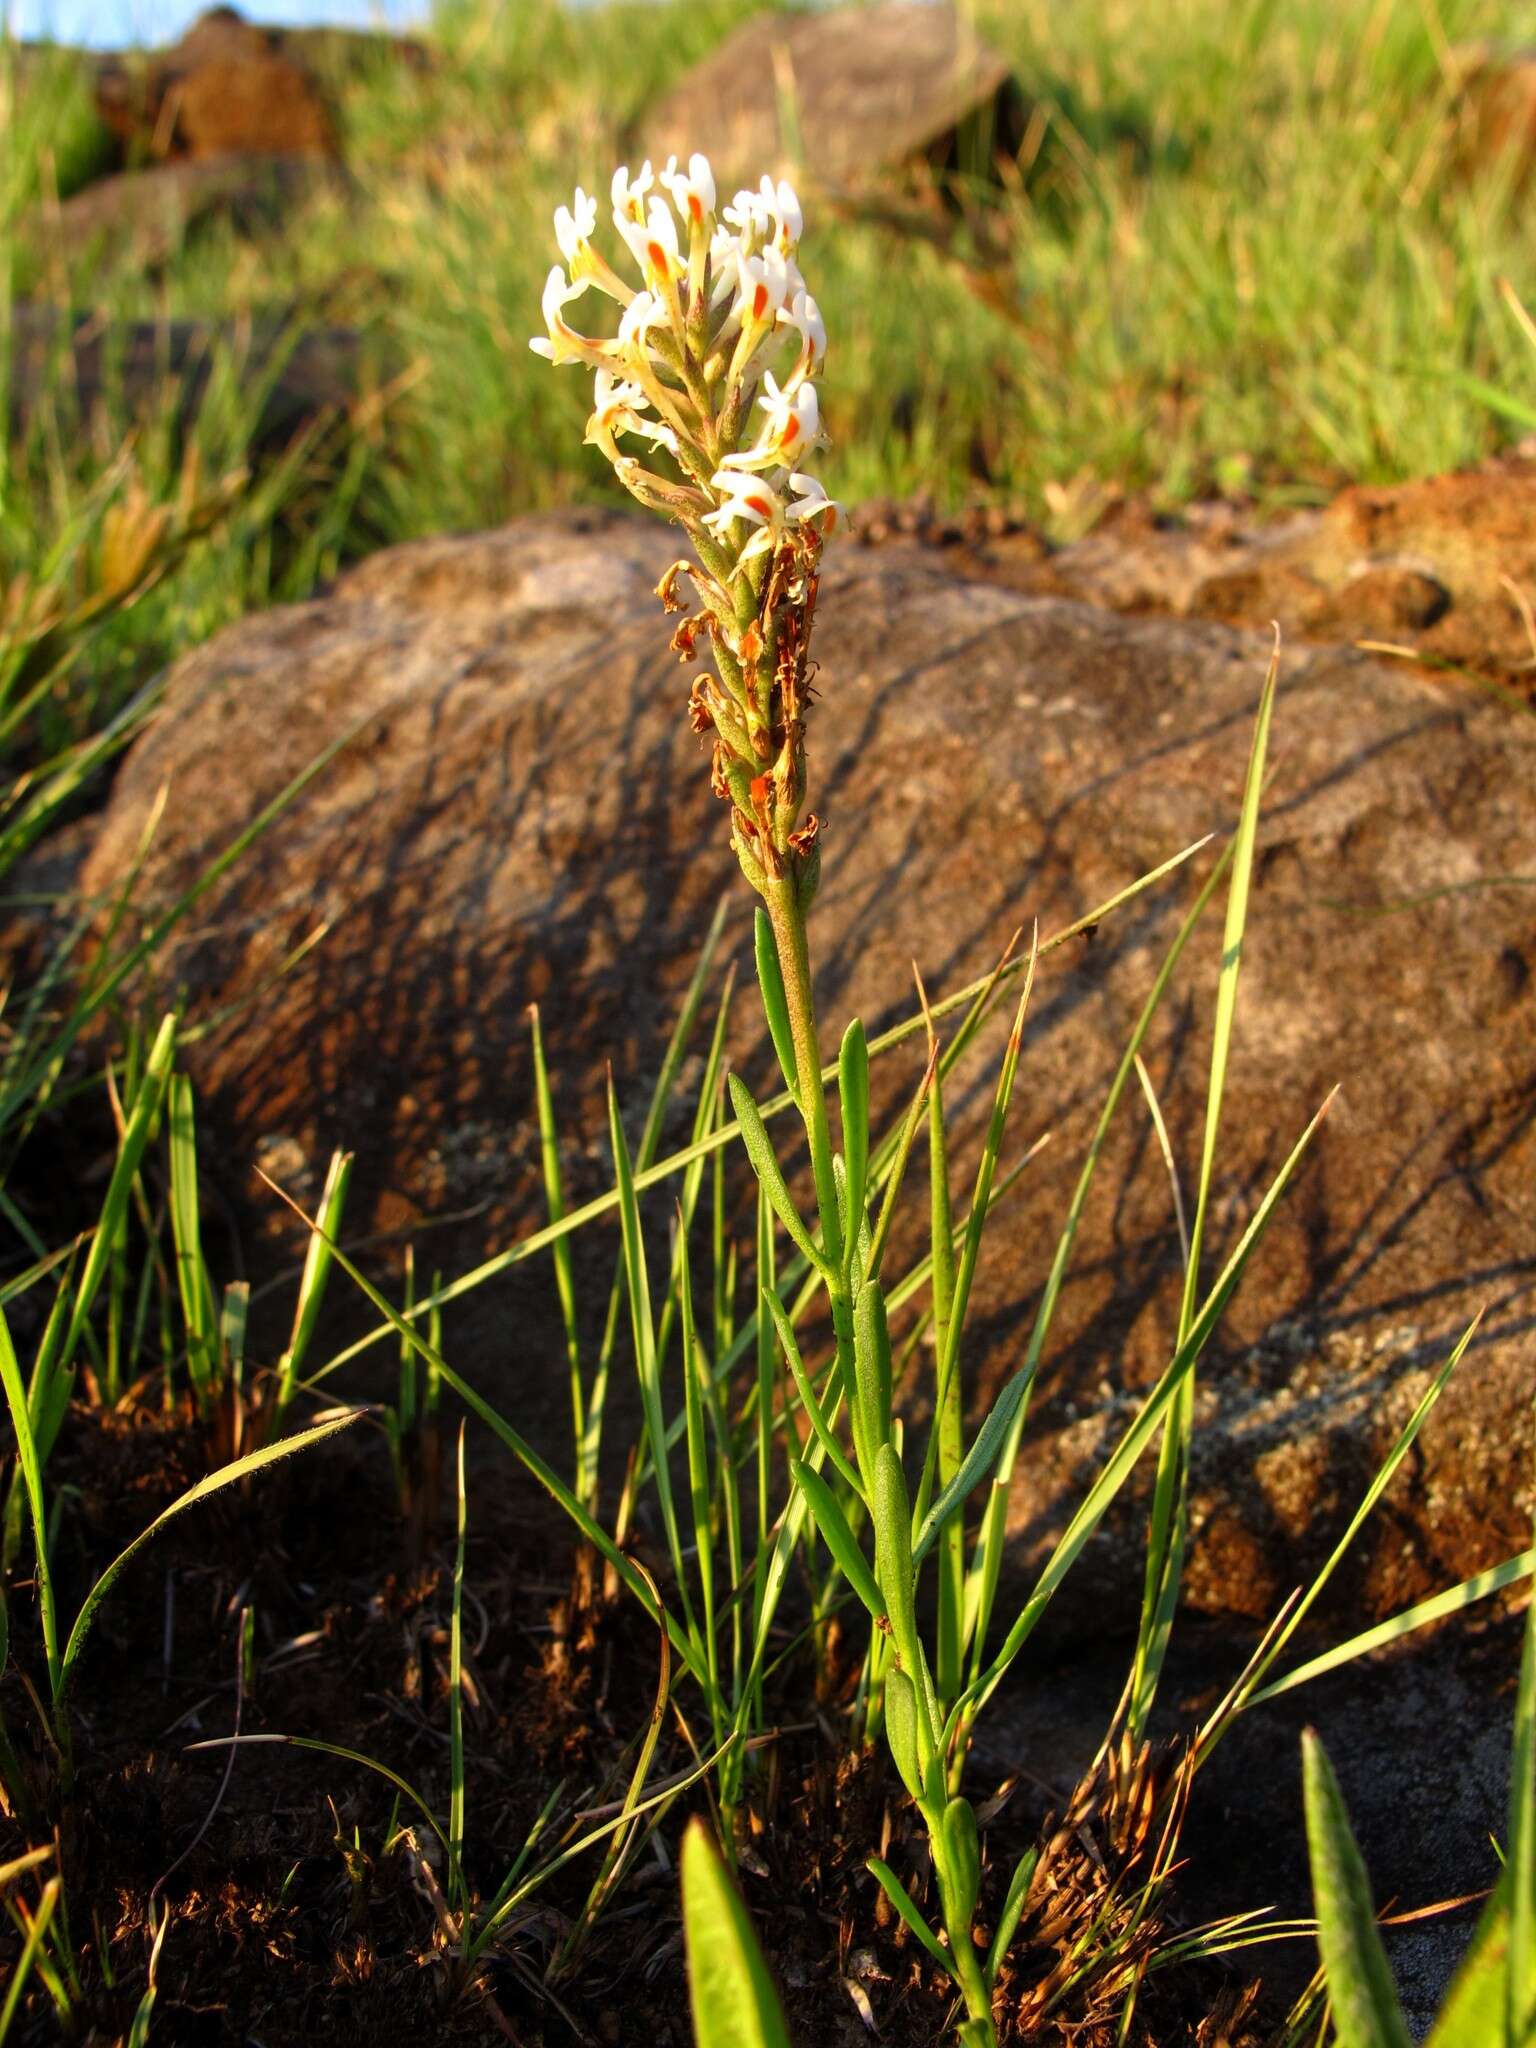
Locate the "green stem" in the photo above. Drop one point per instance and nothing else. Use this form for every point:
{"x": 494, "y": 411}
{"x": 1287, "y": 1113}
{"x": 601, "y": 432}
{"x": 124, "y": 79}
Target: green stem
{"x": 788, "y": 922}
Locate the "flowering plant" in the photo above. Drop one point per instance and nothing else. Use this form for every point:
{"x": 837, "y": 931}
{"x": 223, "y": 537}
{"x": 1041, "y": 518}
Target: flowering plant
{"x": 693, "y": 371}
{"x": 688, "y": 372}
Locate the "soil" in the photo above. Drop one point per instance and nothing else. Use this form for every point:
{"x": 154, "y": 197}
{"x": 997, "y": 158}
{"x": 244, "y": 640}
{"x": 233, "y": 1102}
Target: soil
{"x": 294, "y": 1912}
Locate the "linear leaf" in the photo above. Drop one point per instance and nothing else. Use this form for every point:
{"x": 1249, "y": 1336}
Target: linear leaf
{"x": 1366, "y": 2013}
{"x": 214, "y": 1482}
{"x": 766, "y": 1166}
{"x": 732, "y": 1996}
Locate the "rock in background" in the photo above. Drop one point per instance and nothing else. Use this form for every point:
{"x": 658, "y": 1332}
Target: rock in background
{"x": 842, "y": 96}
{"x": 520, "y": 814}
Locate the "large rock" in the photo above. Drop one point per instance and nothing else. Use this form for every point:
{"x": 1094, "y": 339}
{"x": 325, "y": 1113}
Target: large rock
{"x": 1494, "y": 108}
{"x": 841, "y": 96}
{"x": 1444, "y": 567}
{"x": 519, "y": 813}
{"x": 228, "y": 87}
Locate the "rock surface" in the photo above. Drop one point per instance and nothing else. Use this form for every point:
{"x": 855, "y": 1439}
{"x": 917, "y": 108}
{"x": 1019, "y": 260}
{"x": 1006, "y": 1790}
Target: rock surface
{"x": 227, "y": 87}
{"x": 1495, "y": 108}
{"x": 842, "y": 95}
{"x": 520, "y": 814}
{"x": 1445, "y": 567}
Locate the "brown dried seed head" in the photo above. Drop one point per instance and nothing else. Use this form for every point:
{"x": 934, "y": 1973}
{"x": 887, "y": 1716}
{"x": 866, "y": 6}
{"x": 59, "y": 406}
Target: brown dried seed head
{"x": 666, "y": 589}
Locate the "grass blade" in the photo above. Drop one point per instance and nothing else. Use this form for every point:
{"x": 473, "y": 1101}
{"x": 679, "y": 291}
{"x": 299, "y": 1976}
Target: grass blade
{"x": 215, "y": 1482}
{"x": 732, "y": 1996}
{"x": 1366, "y": 2013}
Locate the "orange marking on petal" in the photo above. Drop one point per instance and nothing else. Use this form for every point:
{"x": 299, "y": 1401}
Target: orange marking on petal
{"x": 762, "y": 506}
{"x": 657, "y": 254}
{"x": 696, "y": 206}
{"x": 791, "y": 433}
{"x": 759, "y": 302}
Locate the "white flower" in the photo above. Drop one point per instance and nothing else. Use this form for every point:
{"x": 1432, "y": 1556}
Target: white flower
{"x": 789, "y": 223}
{"x": 794, "y": 417}
{"x": 750, "y": 214}
{"x": 763, "y": 285}
{"x": 628, "y": 194}
{"x": 619, "y": 407}
{"x": 804, "y": 316}
{"x": 813, "y": 507}
{"x": 643, "y": 312}
{"x": 653, "y": 244}
{"x": 563, "y": 344}
{"x": 749, "y": 498}
{"x": 745, "y": 497}
{"x": 693, "y": 195}
{"x": 771, "y": 214}
{"x": 574, "y": 225}
{"x": 612, "y": 397}
{"x": 794, "y": 426}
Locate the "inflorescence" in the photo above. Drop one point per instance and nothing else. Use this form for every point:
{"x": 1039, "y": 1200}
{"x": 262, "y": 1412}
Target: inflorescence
{"x": 694, "y": 371}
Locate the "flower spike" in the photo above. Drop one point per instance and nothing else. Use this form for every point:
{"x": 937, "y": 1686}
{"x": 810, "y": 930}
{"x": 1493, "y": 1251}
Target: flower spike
{"x": 711, "y": 371}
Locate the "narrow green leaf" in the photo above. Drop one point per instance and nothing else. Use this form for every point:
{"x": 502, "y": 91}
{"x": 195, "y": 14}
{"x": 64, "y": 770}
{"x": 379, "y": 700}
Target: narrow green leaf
{"x": 871, "y": 1371}
{"x": 215, "y": 1482}
{"x": 1436, "y": 1608}
{"x": 766, "y": 1166}
{"x": 949, "y": 1419}
{"x": 899, "y": 1157}
{"x": 1366, "y": 2013}
{"x": 647, "y": 1367}
{"x": 891, "y": 1509}
{"x": 904, "y": 1732}
{"x": 901, "y": 1899}
{"x": 343, "y": 1755}
{"x": 32, "y": 1478}
{"x": 186, "y": 1232}
{"x": 585, "y": 1521}
{"x": 1118, "y": 1466}
{"x": 458, "y": 1886}
{"x": 1520, "y": 2006}
{"x": 984, "y": 1574}
{"x": 808, "y": 1400}
{"x": 770, "y": 980}
{"x": 130, "y": 1151}
{"x": 554, "y": 1202}
{"x": 1166, "y": 1534}
{"x": 853, "y": 1095}
{"x": 317, "y": 1266}
{"x": 1474, "y": 2013}
{"x": 838, "y": 1537}
{"x": 1247, "y": 1693}
{"x": 32, "y": 1948}
{"x": 1013, "y": 1909}
{"x": 961, "y": 1860}
{"x": 732, "y": 1996}
{"x": 978, "y": 1461}
{"x": 695, "y": 1373}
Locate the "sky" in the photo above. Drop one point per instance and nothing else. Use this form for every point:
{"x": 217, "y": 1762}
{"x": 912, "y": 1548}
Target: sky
{"x": 114, "y": 24}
